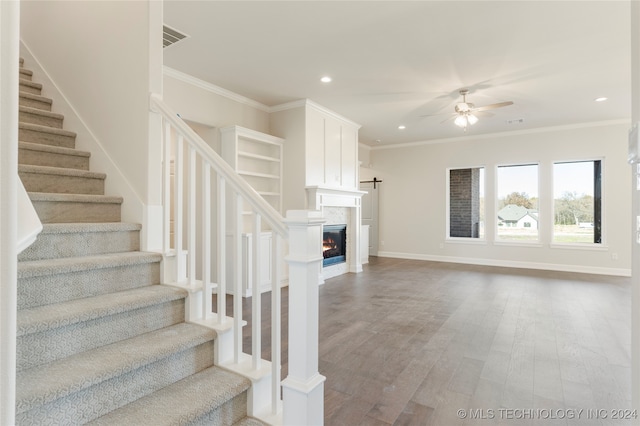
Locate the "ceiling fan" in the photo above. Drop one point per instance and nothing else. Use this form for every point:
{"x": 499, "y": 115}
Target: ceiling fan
{"x": 465, "y": 111}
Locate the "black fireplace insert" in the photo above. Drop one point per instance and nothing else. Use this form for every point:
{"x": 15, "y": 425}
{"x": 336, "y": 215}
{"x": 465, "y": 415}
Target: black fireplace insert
{"x": 334, "y": 244}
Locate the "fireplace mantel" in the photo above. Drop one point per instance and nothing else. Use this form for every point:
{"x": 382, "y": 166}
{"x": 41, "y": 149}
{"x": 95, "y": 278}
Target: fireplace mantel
{"x": 324, "y": 196}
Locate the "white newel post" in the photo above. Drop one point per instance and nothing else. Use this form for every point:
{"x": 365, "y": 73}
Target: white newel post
{"x": 9, "y": 48}
{"x": 303, "y": 389}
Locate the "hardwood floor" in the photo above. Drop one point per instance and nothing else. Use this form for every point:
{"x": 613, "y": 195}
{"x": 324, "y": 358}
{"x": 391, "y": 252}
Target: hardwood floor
{"x": 413, "y": 342}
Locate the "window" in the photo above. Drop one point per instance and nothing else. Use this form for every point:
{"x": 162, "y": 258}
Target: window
{"x": 466, "y": 202}
{"x": 577, "y": 202}
{"x": 517, "y": 209}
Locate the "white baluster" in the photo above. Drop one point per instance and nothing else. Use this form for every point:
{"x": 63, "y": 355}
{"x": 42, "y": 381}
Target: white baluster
{"x": 206, "y": 240}
{"x": 177, "y": 222}
{"x": 276, "y": 322}
{"x": 221, "y": 251}
{"x": 256, "y": 305}
{"x": 237, "y": 291}
{"x": 166, "y": 188}
{"x": 191, "y": 216}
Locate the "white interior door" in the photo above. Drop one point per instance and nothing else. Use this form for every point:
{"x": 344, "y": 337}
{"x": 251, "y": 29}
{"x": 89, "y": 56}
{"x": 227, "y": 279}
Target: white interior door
{"x": 370, "y": 213}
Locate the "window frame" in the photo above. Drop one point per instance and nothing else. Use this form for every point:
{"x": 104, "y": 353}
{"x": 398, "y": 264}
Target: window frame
{"x": 602, "y": 245}
{"x": 497, "y": 240}
{"x": 448, "y": 237}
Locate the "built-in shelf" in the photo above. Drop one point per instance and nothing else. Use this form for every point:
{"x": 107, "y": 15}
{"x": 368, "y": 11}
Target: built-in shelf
{"x": 257, "y": 157}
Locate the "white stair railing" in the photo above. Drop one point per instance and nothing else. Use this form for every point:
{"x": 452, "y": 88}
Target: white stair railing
{"x": 198, "y": 185}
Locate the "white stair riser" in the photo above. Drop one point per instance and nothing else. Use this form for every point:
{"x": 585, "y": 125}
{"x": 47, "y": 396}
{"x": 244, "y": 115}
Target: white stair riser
{"x": 69, "y": 340}
{"x": 72, "y": 212}
{"x": 90, "y": 403}
{"x": 56, "y": 288}
{"x": 52, "y": 246}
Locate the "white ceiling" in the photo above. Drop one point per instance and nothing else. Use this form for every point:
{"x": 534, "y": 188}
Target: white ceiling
{"x": 394, "y": 61}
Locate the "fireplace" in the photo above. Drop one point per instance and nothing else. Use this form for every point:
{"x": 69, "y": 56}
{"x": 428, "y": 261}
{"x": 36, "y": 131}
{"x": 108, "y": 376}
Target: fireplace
{"x": 334, "y": 244}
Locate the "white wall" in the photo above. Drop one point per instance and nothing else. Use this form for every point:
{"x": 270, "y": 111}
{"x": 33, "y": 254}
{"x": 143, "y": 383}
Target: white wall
{"x": 413, "y": 197}
{"x": 290, "y": 124}
{"x": 97, "y": 54}
{"x": 199, "y": 105}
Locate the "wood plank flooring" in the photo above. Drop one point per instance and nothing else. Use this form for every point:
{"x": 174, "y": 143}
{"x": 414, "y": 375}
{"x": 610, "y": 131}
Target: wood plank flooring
{"x": 413, "y": 342}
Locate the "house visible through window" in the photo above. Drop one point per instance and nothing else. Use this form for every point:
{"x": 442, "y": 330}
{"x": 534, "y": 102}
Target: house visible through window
{"x": 466, "y": 203}
{"x": 517, "y": 208}
{"x": 577, "y": 202}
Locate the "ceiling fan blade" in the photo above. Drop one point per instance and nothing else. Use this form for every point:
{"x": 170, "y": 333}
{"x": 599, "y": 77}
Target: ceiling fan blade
{"x": 434, "y": 115}
{"x": 492, "y": 106}
{"x": 449, "y": 118}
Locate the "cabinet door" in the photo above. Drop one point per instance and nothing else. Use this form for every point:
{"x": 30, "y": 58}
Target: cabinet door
{"x": 333, "y": 153}
{"x": 349, "y": 162}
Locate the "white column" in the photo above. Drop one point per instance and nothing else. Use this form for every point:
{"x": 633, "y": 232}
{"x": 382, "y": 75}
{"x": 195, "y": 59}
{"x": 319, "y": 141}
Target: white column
{"x": 9, "y": 54}
{"x": 152, "y": 227}
{"x": 635, "y": 208}
{"x": 303, "y": 389}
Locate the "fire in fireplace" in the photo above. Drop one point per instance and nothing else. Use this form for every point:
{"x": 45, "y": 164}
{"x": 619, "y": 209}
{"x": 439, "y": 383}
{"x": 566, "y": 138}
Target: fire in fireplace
{"x": 334, "y": 244}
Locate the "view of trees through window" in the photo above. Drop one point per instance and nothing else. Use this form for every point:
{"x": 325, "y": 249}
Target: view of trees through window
{"x": 517, "y": 207}
{"x": 576, "y": 202}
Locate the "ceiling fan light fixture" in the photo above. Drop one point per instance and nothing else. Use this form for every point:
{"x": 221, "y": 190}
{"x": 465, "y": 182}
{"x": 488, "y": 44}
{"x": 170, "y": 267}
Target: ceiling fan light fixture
{"x": 461, "y": 121}
{"x": 472, "y": 119}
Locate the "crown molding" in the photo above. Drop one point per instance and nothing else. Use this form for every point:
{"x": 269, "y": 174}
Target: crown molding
{"x": 311, "y": 104}
{"x": 205, "y": 85}
{"x": 506, "y": 134}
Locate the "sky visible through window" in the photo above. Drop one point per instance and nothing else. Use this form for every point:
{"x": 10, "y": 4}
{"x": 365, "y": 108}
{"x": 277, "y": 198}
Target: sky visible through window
{"x": 521, "y": 178}
{"x": 573, "y": 177}
{"x": 570, "y": 177}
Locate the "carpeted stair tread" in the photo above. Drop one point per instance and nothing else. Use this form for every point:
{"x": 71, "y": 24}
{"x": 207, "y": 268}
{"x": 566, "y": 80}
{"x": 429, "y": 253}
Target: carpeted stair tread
{"x": 60, "y": 171}
{"x": 72, "y": 228}
{"x": 30, "y": 86}
{"x": 61, "y": 240}
{"x": 74, "y": 198}
{"x": 37, "y": 111}
{"x": 52, "y": 156}
{"x": 48, "y": 317}
{"x": 36, "y": 268}
{"x": 249, "y": 421}
{"x": 53, "y": 149}
{"x": 46, "y": 129}
{"x": 25, "y": 74}
{"x": 35, "y": 101}
{"x": 189, "y": 399}
{"x": 43, "y": 384}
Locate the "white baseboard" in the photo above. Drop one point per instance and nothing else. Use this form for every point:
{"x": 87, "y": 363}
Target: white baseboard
{"x": 621, "y": 272}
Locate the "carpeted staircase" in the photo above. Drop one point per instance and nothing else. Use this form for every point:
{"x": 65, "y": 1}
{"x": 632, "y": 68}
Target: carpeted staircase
{"x": 99, "y": 340}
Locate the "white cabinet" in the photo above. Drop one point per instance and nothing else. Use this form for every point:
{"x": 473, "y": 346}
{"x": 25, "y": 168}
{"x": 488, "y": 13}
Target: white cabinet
{"x": 332, "y": 149}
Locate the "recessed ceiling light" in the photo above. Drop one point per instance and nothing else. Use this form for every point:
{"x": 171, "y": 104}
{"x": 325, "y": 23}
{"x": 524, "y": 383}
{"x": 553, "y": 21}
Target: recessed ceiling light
{"x": 402, "y": 127}
{"x": 600, "y": 99}
{"x": 326, "y": 79}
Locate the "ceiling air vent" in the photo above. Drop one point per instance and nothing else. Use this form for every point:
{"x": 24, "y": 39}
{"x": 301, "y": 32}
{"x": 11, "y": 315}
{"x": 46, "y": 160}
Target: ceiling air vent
{"x": 171, "y": 36}
{"x": 515, "y": 121}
